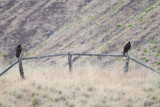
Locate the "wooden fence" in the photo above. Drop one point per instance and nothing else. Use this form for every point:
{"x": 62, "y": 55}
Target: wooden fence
{"x": 70, "y": 62}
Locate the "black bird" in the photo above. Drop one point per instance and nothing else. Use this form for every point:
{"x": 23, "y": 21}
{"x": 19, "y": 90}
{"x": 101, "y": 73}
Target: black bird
{"x": 18, "y": 50}
{"x": 126, "y": 48}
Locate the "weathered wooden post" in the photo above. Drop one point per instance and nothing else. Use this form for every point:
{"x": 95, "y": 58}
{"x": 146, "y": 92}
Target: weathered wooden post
{"x": 21, "y": 69}
{"x": 18, "y": 54}
{"x": 127, "y": 63}
{"x": 70, "y": 61}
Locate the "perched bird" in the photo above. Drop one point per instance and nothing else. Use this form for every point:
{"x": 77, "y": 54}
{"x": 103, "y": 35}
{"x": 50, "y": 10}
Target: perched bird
{"x": 126, "y": 48}
{"x": 18, "y": 50}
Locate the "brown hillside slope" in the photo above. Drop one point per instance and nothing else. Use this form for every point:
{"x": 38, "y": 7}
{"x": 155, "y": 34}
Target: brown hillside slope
{"x": 45, "y": 27}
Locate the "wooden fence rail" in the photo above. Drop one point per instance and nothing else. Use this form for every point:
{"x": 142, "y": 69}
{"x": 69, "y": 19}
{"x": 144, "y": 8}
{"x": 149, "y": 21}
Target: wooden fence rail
{"x": 9, "y": 67}
{"x": 87, "y": 54}
{"x": 140, "y": 63}
{"x": 46, "y": 56}
{"x": 69, "y": 54}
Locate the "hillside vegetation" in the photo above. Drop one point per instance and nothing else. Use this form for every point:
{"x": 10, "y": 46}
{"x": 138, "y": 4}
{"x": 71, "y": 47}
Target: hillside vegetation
{"x": 91, "y": 26}
{"x": 86, "y": 87}
{"x": 87, "y": 26}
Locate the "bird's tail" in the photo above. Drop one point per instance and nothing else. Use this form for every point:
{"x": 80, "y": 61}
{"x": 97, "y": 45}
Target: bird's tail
{"x": 17, "y": 55}
{"x": 123, "y": 53}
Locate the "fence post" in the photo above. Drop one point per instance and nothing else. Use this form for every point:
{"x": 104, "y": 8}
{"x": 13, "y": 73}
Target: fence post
{"x": 127, "y": 63}
{"x": 70, "y": 61}
{"x": 21, "y": 69}
{"x": 18, "y": 55}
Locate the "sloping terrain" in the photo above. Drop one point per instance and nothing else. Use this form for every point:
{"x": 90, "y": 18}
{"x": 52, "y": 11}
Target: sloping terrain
{"x": 92, "y": 26}
{"x": 88, "y": 87}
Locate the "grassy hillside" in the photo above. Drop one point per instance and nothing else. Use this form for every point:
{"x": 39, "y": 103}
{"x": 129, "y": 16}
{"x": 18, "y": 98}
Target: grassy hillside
{"x": 89, "y": 26}
{"x": 88, "y": 87}
{"x": 50, "y": 26}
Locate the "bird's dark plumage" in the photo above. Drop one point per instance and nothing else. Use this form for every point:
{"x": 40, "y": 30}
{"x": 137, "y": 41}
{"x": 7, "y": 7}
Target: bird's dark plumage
{"x": 18, "y": 51}
{"x": 126, "y": 48}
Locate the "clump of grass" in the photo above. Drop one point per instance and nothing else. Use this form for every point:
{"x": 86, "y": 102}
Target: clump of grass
{"x": 4, "y": 55}
{"x": 96, "y": 23}
{"x": 114, "y": 9}
{"x": 153, "y": 50}
{"x": 155, "y": 47}
{"x": 158, "y": 63}
{"x": 148, "y": 103}
{"x": 84, "y": 7}
{"x": 152, "y": 41}
{"x": 90, "y": 17}
{"x": 145, "y": 50}
{"x": 130, "y": 25}
{"x": 133, "y": 17}
{"x": 105, "y": 46}
{"x": 141, "y": 19}
{"x": 36, "y": 101}
{"x": 71, "y": 105}
{"x": 144, "y": 59}
{"x": 148, "y": 9}
{"x": 118, "y": 26}
{"x": 68, "y": 45}
{"x": 156, "y": 55}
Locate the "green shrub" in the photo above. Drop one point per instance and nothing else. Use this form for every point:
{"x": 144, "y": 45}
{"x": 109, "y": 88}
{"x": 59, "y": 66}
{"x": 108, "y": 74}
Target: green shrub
{"x": 130, "y": 25}
{"x": 4, "y": 55}
{"x": 118, "y": 26}
{"x": 144, "y": 59}
{"x": 156, "y": 55}
{"x": 133, "y": 17}
{"x": 152, "y": 41}
{"x": 158, "y": 63}
{"x": 153, "y": 50}
{"x": 141, "y": 19}
{"x": 145, "y": 50}
{"x": 154, "y": 47}
{"x": 148, "y": 10}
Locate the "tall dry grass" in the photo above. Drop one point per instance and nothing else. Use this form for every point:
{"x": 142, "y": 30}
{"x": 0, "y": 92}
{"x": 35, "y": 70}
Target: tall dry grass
{"x": 87, "y": 86}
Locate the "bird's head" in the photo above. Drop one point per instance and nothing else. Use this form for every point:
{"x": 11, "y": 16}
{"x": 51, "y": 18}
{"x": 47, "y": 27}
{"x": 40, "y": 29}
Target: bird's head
{"x": 129, "y": 42}
{"x": 19, "y": 45}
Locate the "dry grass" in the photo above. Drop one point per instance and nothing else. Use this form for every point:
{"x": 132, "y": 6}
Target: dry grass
{"x": 84, "y": 87}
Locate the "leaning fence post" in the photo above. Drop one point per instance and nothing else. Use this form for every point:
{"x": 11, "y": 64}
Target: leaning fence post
{"x": 127, "y": 63}
{"x": 70, "y": 61}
